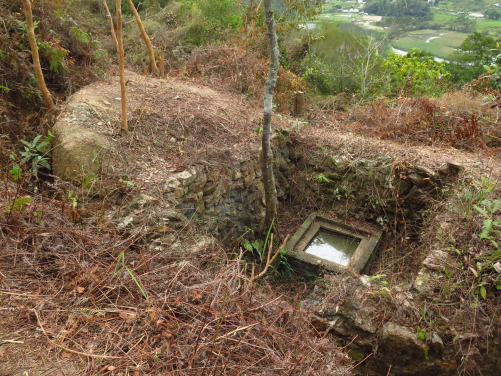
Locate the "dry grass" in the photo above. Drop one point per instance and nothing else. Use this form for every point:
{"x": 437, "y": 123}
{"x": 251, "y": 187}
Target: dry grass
{"x": 424, "y": 122}
{"x": 465, "y": 104}
{"x": 72, "y": 304}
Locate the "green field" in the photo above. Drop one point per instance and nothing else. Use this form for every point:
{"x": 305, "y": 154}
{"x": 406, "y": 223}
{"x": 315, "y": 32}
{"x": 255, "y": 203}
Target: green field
{"x": 340, "y": 18}
{"x": 446, "y": 43}
{"x": 492, "y": 26}
{"x": 465, "y": 5}
{"x": 441, "y": 47}
{"x": 443, "y": 17}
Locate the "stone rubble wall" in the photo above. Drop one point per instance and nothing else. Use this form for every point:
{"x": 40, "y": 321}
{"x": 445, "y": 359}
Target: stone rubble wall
{"x": 225, "y": 200}
{"x": 378, "y": 323}
{"x": 370, "y": 189}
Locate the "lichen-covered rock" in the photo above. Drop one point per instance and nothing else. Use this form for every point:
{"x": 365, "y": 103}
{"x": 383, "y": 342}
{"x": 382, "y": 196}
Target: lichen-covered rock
{"x": 437, "y": 343}
{"x": 346, "y": 308}
{"x": 424, "y": 282}
{"x": 206, "y": 244}
{"x": 399, "y": 338}
{"x": 351, "y": 309}
{"x": 437, "y": 260}
{"x": 81, "y": 145}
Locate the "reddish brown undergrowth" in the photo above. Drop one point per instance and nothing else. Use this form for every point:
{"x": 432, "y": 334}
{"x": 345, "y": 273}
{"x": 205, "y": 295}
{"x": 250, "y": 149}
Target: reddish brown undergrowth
{"x": 242, "y": 70}
{"x": 69, "y": 55}
{"x": 80, "y": 296}
{"x": 423, "y": 121}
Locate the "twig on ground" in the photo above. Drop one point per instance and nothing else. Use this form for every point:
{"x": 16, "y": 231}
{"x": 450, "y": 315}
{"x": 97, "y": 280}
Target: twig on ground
{"x": 268, "y": 261}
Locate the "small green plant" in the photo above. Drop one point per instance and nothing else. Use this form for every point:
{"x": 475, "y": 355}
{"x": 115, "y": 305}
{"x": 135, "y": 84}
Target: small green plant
{"x": 258, "y": 245}
{"x": 255, "y": 246}
{"x": 336, "y": 194}
{"x": 482, "y": 290}
{"x": 282, "y": 268}
{"x": 494, "y": 72}
{"x": 296, "y": 126}
{"x": 56, "y": 56}
{"x": 378, "y": 277}
{"x": 74, "y": 199}
{"x": 16, "y": 172}
{"x": 120, "y": 265}
{"x": 36, "y": 152}
{"x": 374, "y": 202}
{"x": 321, "y": 178}
{"x": 90, "y": 181}
{"x": 81, "y": 35}
{"x": 19, "y": 204}
{"x": 490, "y": 207}
{"x": 127, "y": 182}
{"x": 422, "y": 334}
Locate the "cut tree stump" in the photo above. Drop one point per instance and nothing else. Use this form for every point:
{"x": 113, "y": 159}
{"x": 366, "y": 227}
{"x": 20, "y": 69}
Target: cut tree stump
{"x": 299, "y": 103}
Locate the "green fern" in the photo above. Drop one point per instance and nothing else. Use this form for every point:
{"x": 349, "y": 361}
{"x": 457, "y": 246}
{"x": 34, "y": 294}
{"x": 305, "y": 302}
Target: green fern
{"x": 489, "y": 224}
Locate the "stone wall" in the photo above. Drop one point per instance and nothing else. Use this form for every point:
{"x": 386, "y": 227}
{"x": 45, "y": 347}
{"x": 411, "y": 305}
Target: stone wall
{"x": 227, "y": 199}
{"x": 368, "y": 189}
{"x": 365, "y": 189}
{"x": 380, "y": 325}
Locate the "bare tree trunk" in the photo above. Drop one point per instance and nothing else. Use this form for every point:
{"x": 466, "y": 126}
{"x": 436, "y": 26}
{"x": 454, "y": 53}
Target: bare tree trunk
{"x": 121, "y": 65}
{"x": 108, "y": 14}
{"x": 36, "y": 58}
{"x": 270, "y": 190}
{"x": 149, "y": 46}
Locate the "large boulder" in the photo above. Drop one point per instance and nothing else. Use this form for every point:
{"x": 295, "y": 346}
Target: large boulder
{"x": 82, "y": 142}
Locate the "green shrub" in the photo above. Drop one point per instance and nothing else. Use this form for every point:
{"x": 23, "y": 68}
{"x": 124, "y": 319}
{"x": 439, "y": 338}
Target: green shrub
{"x": 416, "y": 73}
{"x": 207, "y": 20}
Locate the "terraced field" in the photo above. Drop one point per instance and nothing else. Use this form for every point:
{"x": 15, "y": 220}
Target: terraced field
{"x": 439, "y": 43}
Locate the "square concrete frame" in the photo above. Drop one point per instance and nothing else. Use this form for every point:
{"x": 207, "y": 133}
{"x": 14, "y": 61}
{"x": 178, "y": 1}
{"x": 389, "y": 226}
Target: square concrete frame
{"x": 310, "y": 265}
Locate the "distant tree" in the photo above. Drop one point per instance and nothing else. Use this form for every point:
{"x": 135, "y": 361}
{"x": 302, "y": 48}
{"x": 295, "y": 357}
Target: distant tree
{"x": 299, "y": 9}
{"x": 341, "y": 59}
{"x": 416, "y": 73}
{"x": 400, "y": 8}
{"x": 492, "y": 14}
{"x": 466, "y": 63}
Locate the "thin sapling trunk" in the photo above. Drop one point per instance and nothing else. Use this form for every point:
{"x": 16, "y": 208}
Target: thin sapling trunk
{"x": 149, "y": 46}
{"x": 270, "y": 190}
{"x": 108, "y": 14}
{"x": 121, "y": 65}
{"x": 36, "y": 58}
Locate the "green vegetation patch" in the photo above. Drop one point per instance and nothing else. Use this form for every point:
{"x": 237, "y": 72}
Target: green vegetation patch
{"x": 444, "y": 17}
{"x": 451, "y": 39}
{"x": 434, "y": 48}
{"x": 493, "y": 26}
{"x": 442, "y": 46}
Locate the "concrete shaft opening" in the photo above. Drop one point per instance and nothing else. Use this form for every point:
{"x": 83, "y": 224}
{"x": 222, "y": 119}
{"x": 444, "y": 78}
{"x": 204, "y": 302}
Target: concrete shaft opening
{"x": 322, "y": 243}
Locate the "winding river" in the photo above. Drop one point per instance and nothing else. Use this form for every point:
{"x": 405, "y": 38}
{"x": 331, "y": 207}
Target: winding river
{"x": 402, "y": 52}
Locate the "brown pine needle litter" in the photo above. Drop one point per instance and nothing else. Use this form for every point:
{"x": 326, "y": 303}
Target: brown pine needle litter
{"x": 69, "y": 307}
